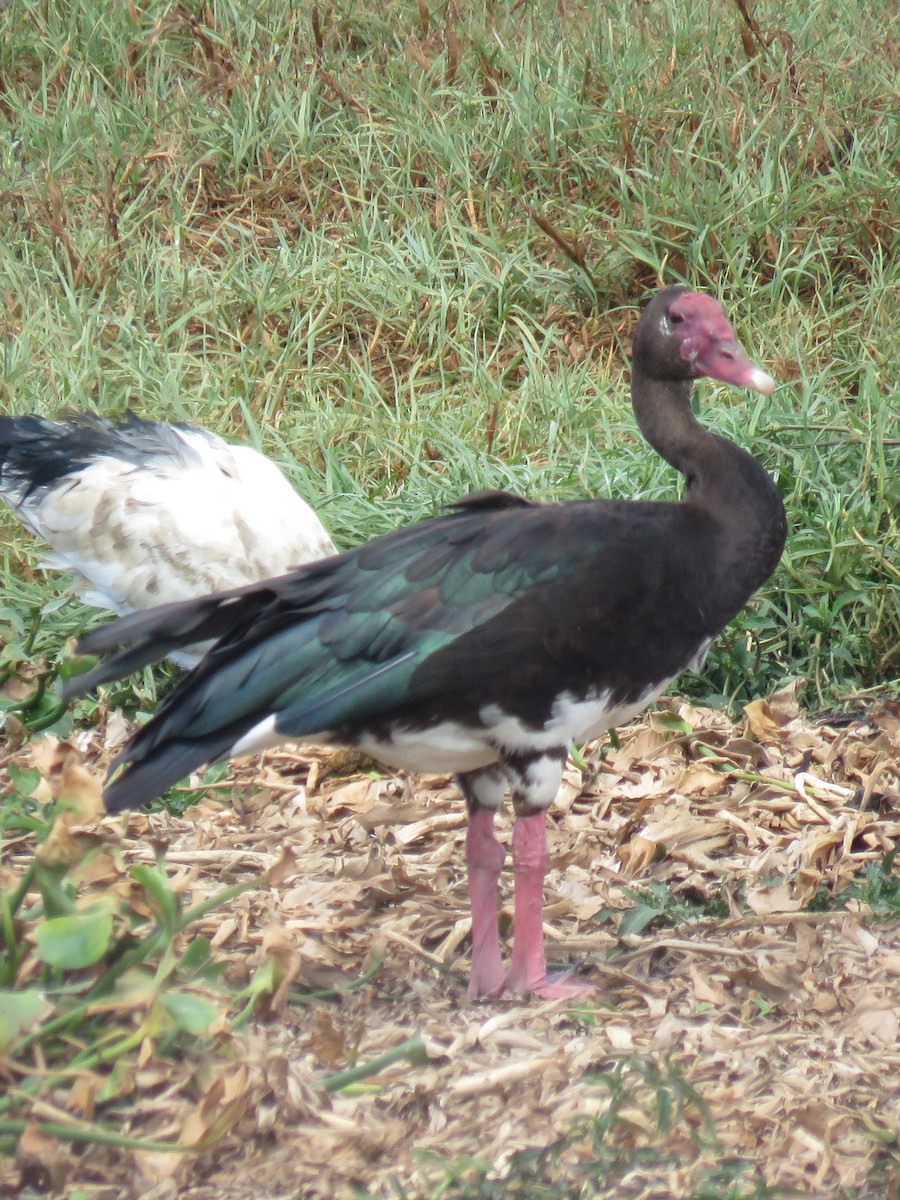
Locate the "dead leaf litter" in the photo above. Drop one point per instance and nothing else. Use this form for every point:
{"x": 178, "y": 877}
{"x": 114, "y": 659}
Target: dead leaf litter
{"x": 774, "y": 1022}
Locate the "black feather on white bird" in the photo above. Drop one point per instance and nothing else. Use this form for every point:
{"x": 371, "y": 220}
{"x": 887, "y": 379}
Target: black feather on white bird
{"x": 146, "y": 513}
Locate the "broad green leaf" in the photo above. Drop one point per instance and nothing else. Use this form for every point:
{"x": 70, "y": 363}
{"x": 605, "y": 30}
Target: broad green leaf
{"x": 666, "y": 720}
{"x": 136, "y": 990}
{"x": 265, "y": 979}
{"x": 637, "y": 919}
{"x": 74, "y": 941}
{"x": 196, "y": 955}
{"x": 56, "y": 604}
{"x": 190, "y": 1012}
{"x": 18, "y": 1011}
{"x": 55, "y": 886}
{"x": 76, "y": 665}
{"x": 24, "y": 779}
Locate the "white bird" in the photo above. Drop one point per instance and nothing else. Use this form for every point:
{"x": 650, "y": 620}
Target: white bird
{"x": 145, "y": 512}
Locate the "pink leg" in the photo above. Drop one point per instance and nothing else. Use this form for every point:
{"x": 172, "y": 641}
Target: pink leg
{"x": 484, "y": 860}
{"x": 528, "y": 970}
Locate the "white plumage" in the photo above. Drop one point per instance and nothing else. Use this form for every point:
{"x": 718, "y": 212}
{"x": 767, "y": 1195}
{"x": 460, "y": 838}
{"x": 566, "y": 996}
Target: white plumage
{"x": 144, "y": 512}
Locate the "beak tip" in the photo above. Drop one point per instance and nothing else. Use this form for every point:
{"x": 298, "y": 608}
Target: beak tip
{"x": 761, "y": 381}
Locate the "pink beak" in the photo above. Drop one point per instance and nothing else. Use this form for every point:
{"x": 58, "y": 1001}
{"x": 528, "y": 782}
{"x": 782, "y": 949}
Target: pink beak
{"x": 726, "y": 361}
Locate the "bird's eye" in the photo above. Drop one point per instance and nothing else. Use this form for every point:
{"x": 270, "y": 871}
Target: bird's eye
{"x": 675, "y": 317}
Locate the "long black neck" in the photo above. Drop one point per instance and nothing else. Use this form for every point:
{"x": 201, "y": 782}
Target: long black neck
{"x": 721, "y": 477}
{"x": 664, "y": 414}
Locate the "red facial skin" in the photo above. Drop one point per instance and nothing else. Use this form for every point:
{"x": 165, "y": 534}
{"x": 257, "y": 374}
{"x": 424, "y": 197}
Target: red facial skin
{"x": 710, "y": 344}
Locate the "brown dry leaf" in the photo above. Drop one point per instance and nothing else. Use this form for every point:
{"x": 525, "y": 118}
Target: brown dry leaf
{"x": 47, "y": 754}
{"x": 762, "y": 722}
{"x": 158, "y": 1169}
{"x": 698, "y": 778}
{"x": 102, "y": 868}
{"x": 17, "y": 689}
{"x": 776, "y": 981}
{"x": 879, "y": 1022}
{"x": 61, "y": 847}
{"x": 357, "y": 796}
{"x": 887, "y": 717}
{"x": 280, "y": 946}
{"x": 115, "y": 731}
{"x": 82, "y": 1098}
{"x": 784, "y": 703}
{"x": 284, "y": 869}
{"x": 82, "y": 790}
{"x": 328, "y": 1038}
{"x": 42, "y": 1160}
{"x": 220, "y": 1108}
{"x": 744, "y": 751}
{"x": 707, "y": 990}
{"x": 384, "y": 813}
{"x": 866, "y": 941}
{"x": 676, "y": 827}
{"x": 638, "y": 747}
{"x": 765, "y": 899}
{"x": 637, "y": 854}
{"x": 620, "y": 1036}
{"x": 570, "y": 788}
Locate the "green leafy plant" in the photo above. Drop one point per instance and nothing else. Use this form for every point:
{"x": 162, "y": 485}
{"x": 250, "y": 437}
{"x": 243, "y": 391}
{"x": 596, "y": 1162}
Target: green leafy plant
{"x": 657, "y": 905}
{"x": 91, "y": 975}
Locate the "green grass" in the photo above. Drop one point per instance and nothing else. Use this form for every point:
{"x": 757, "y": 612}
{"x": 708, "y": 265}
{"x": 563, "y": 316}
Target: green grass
{"x": 309, "y": 226}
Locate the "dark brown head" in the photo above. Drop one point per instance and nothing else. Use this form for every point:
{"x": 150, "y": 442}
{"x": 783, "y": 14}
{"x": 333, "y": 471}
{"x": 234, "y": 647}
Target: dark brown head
{"x": 684, "y": 334}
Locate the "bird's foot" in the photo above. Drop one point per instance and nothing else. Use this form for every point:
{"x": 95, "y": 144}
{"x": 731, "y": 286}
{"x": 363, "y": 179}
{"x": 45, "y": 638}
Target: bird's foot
{"x": 492, "y": 985}
{"x": 565, "y": 986}
{"x": 486, "y": 983}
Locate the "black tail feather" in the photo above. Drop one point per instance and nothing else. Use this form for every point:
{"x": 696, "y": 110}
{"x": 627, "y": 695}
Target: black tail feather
{"x": 150, "y": 636}
{"x": 143, "y": 780}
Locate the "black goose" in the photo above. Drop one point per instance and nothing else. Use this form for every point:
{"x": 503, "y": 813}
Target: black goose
{"x": 485, "y": 641}
{"x": 146, "y": 513}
